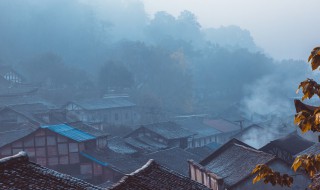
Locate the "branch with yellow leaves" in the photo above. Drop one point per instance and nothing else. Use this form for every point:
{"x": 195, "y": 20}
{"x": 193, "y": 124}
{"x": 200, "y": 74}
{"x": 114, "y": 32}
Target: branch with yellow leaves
{"x": 269, "y": 176}
{"x": 309, "y": 89}
{"x": 308, "y": 120}
{"x": 308, "y": 163}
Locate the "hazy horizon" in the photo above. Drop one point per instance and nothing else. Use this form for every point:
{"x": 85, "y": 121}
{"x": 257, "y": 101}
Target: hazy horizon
{"x": 282, "y": 34}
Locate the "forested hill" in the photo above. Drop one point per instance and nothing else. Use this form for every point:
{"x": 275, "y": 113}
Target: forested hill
{"x": 162, "y": 61}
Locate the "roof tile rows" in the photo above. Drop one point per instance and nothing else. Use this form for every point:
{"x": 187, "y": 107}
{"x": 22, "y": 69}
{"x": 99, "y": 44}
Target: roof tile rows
{"x": 234, "y": 161}
{"x": 286, "y": 143}
{"x": 18, "y": 173}
{"x": 169, "y": 130}
{"x": 153, "y": 176}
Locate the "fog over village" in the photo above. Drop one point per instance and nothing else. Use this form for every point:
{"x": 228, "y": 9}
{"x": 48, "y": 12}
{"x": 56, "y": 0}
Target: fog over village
{"x": 132, "y": 94}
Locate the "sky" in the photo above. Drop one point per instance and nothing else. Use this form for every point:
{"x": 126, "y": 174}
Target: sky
{"x": 283, "y": 28}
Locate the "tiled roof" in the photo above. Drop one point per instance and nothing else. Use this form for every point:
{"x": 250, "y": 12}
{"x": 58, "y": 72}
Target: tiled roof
{"x": 12, "y": 132}
{"x": 202, "y": 152}
{"x": 17, "y": 172}
{"x": 197, "y": 126}
{"x": 175, "y": 159}
{"x": 234, "y": 162}
{"x": 291, "y": 143}
{"x": 70, "y": 132}
{"x": 169, "y": 130}
{"x": 153, "y": 176}
{"x": 143, "y": 146}
{"x": 118, "y": 145}
{"x": 314, "y": 149}
{"x": 105, "y": 103}
{"x": 118, "y": 162}
{"x": 9, "y": 101}
{"x": 222, "y": 125}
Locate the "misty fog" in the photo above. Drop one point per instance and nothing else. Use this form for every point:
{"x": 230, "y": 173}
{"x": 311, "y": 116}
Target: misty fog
{"x": 171, "y": 63}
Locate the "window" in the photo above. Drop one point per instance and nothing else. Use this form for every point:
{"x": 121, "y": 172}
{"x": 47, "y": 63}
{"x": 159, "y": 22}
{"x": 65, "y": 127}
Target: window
{"x": 73, "y": 147}
{"x": 40, "y": 152}
{"x": 64, "y": 160}
{"x": 52, "y": 151}
{"x": 51, "y": 140}
{"x": 40, "y": 141}
{"x": 116, "y": 116}
{"x": 63, "y": 149}
{"x": 74, "y": 158}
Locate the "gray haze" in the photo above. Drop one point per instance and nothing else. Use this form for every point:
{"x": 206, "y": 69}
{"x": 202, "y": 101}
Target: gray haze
{"x": 284, "y": 29}
{"x": 180, "y": 61}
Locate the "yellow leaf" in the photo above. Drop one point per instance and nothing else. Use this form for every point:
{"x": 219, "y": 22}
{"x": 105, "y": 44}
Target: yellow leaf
{"x": 306, "y": 127}
{"x": 317, "y": 118}
{"x": 310, "y": 57}
{"x": 256, "y": 179}
{"x": 296, "y": 164}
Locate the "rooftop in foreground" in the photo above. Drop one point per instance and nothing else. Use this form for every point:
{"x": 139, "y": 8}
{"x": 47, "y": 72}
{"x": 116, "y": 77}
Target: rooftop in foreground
{"x": 17, "y": 172}
{"x": 153, "y": 176}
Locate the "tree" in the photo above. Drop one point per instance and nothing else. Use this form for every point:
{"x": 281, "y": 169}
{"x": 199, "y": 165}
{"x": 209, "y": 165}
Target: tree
{"x": 115, "y": 76}
{"x": 307, "y": 119}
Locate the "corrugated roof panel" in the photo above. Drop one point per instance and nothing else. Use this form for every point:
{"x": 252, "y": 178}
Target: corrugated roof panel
{"x": 70, "y": 132}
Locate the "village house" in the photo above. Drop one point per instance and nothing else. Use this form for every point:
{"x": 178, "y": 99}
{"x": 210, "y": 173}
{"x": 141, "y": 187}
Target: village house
{"x": 9, "y": 74}
{"x": 115, "y": 165}
{"x": 114, "y": 111}
{"x": 57, "y": 147}
{"x": 18, "y": 172}
{"x": 35, "y": 113}
{"x": 230, "y": 167}
{"x": 286, "y": 147}
{"x": 310, "y": 135}
{"x": 204, "y": 134}
{"x": 176, "y": 159}
{"x": 226, "y": 128}
{"x": 119, "y": 145}
{"x": 153, "y": 176}
{"x": 112, "y": 165}
{"x": 312, "y": 150}
{"x": 12, "y": 84}
{"x": 204, "y": 151}
{"x": 167, "y": 134}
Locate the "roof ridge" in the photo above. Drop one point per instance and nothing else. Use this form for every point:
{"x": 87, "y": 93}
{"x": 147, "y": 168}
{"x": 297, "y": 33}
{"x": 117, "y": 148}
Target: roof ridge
{"x": 21, "y": 156}
{"x": 252, "y": 150}
{"x": 151, "y": 162}
{"x": 222, "y": 148}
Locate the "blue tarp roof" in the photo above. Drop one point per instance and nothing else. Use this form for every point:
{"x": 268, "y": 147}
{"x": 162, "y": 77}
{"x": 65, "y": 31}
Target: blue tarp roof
{"x": 70, "y": 132}
{"x": 93, "y": 159}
